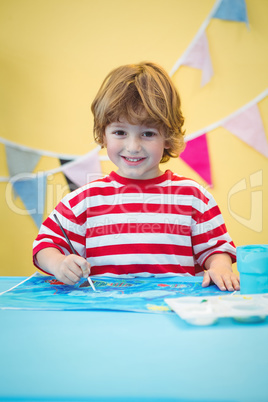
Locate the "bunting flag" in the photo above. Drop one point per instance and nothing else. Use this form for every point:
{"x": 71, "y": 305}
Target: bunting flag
{"x": 197, "y": 54}
{"x": 232, "y": 10}
{"x": 20, "y": 160}
{"x": 71, "y": 184}
{"x": 196, "y": 155}
{"x": 32, "y": 191}
{"x": 248, "y": 126}
{"x": 84, "y": 169}
{"x": 199, "y": 57}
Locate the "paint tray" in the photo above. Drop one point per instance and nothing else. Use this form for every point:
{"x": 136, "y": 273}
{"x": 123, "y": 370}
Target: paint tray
{"x": 206, "y": 311}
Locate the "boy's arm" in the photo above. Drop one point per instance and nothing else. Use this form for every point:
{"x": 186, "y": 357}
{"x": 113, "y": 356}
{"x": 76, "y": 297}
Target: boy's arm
{"x": 67, "y": 269}
{"x": 219, "y": 270}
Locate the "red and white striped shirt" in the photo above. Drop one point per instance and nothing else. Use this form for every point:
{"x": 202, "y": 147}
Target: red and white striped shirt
{"x": 169, "y": 224}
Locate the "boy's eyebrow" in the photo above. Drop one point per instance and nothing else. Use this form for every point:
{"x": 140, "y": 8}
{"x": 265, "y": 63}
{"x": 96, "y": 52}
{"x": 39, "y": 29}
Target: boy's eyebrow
{"x": 117, "y": 123}
{"x": 143, "y": 126}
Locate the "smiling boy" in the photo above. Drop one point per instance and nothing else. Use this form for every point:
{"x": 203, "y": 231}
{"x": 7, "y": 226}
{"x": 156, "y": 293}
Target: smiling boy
{"x": 138, "y": 220}
{"x": 136, "y": 150}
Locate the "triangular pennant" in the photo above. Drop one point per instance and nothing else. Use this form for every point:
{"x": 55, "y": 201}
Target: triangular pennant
{"x": 232, "y": 10}
{"x": 85, "y": 169}
{"x": 32, "y": 191}
{"x": 71, "y": 184}
{"x": 199, "y": 57}
{"x": 20, "y": 160}
{"x": 248, "y": 126}
{"x": 196, "y": 155}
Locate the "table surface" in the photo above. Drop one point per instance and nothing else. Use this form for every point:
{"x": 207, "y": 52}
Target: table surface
{"x": 120, "y": 356}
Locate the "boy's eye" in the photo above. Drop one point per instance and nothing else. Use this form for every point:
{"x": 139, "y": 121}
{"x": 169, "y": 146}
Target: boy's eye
{"x": 149, "y": 134}
{"x": 119, "y": 132}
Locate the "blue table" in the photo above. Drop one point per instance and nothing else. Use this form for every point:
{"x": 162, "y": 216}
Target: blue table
{"x": 118, "y": 356}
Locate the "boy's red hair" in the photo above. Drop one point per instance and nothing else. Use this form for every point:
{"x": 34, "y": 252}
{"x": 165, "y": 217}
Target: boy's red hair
{"x": 142, "y": 94}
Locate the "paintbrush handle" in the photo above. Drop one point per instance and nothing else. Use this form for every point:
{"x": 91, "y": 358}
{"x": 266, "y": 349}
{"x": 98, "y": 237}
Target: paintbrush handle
{"x": 71, "y": 246}
{"x": 65, "y": 235}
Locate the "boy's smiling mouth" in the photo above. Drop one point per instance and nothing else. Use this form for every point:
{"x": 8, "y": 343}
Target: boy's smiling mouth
{"x": 132, "y": 160}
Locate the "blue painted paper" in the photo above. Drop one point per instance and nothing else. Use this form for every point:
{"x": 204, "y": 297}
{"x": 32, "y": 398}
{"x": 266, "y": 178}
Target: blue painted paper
{"x": 41, "y": 292}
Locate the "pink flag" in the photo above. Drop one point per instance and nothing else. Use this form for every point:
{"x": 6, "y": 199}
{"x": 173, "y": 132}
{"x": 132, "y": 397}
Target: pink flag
{"x": 248, "y": 126}
{"x": 84, "y": 169}
{"x": 196, "y": 155}
{"x": 199, "y": 57}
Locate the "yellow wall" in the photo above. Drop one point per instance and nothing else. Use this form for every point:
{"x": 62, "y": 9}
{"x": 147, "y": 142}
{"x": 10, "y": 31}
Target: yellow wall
{"x": 54, "y": 56}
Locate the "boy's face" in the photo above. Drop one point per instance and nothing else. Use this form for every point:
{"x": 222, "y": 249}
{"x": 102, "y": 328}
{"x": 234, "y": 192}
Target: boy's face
{"x": 135, "y": 150}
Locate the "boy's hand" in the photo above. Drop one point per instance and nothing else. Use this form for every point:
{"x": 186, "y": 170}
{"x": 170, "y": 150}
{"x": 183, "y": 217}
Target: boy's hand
{"x": 71, "y": 269}
{"x": 219, "y": 271}
{"x": 67, "y": 269}
{"x": 223, "y": 278}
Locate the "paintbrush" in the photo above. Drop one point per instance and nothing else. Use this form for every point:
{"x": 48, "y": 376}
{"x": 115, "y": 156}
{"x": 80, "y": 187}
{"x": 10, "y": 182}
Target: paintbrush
{"x": 71, "y": 246}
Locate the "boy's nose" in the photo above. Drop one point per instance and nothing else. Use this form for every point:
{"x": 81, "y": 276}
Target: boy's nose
{"x": 133, "y": 145}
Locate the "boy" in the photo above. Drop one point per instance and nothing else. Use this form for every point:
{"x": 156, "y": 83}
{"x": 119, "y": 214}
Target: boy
{"x": 139, "y": 220}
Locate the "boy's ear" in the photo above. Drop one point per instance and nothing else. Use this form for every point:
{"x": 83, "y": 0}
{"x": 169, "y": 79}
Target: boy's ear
{"x": 166, "y": 146}
{"x": 104, "y": 142}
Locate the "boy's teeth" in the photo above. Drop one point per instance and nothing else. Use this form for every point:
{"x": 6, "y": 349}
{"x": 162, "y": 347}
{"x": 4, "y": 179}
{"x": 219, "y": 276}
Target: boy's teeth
{"x": 133, "y": 159}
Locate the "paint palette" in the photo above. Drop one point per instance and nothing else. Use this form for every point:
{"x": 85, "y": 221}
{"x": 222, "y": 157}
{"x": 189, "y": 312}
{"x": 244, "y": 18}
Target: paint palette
{"x": 206, "y": 311}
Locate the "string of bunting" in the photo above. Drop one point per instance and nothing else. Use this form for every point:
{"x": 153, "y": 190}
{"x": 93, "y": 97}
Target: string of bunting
{"x": 245, "y": 123}
{"x": 197, "y": 54}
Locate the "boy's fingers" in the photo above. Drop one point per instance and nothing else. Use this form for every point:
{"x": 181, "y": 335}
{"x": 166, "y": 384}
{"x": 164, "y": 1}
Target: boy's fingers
{"x": 224, "y": 282}
{"x": 71, "y": 278}
{"x": 84, "y": 265}
{"x": 219, "y": 282}
{"x": 206, "y": 280}
{"x": 85, "y": 271}
{"x": 236, "y": 283}
{"x": 229, "y": 285}
{"x": 71, "y": 275}
{"x": 212, "y": 277}
{"x": 76, "y": 264}
{"x": 232, "y": 283}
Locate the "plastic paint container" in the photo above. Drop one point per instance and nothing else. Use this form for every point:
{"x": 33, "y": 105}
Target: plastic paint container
{"x": 252, "y": 264}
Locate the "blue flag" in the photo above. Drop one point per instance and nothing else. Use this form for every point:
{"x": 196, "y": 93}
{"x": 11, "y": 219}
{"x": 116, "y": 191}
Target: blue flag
{"x": 232, "y": 10}
{"x": 32, "y": 191}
